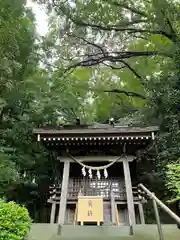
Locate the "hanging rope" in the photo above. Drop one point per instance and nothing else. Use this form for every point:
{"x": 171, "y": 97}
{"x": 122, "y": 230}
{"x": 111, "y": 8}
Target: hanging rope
{"x": 101, "y": 167}
{"x": 93, "y": 167}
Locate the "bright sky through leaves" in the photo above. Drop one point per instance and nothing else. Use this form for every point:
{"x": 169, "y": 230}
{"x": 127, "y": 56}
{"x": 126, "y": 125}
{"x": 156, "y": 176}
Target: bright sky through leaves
{"x": 41, "y": 17}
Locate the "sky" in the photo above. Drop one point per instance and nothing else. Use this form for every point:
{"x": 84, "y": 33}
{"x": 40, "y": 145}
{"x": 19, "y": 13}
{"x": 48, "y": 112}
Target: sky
{"x": 41, "y": 17}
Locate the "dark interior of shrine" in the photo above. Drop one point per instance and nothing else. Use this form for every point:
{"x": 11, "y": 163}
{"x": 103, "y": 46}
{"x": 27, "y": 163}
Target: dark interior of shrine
{"x": 115, "y": 170}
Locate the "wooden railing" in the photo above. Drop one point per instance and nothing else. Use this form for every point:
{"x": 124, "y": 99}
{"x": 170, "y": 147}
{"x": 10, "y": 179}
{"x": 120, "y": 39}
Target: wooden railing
{"x": 105, "y": 193}
{"x": 157, "y": 202}
{"x": 93, "y": 187}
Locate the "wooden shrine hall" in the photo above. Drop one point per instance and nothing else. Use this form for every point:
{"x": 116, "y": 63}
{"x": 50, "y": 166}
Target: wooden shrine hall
{"x": 98, "y": 174}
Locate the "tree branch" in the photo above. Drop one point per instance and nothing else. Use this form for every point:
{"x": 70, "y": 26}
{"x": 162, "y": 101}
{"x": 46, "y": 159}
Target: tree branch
{"x": 132, "y": 69}
{"x": 126, "y": 6}
{"x": 173, "y": 33}
{"x": 119, "y": 28}
{"x": 113, "y": 67}
{"x": 125, "y": 65}
{"x": 123, "y": 26}
{"x": 89, "y": 43}
{"x": 114, "y": 57}
{"x": 106, "y": 54}
{"x": 112, "y": 2}
{"x": 125, "y": 92}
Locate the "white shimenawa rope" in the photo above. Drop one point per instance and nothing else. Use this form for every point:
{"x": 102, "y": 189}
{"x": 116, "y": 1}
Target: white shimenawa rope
{"x": 101, "y": 167}
{"x": 93, "y": 167}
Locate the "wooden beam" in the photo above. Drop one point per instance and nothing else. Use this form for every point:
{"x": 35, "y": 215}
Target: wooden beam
{"x": 124, "y": 203}
{"x": 75, "y": 201}
{"x": 128, "y": 184}
{"x": 53, "y": 211}
{"x": 64, "y": 191}
{"x": 141, "y": 213}
{"x": 96, "y": 158}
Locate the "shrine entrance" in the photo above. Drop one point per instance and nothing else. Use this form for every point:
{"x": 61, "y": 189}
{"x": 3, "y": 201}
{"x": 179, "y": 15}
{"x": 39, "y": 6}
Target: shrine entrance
{"x": 110, "y": 188}
{"x": 101, "y": 190}
{"x": 97, "y": 166}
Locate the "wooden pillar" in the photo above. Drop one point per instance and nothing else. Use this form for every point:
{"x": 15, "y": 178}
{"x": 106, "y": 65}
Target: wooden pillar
{"x": 141, "y": 213}
{"x": 128, "y": 185}
{"x": 53, "y": 211}
{"x": 113, "y": 210}
{"x": 64, "y": 191}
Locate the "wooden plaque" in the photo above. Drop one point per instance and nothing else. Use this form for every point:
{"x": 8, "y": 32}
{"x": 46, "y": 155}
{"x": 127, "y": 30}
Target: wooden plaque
{"x": 90, "y": 209}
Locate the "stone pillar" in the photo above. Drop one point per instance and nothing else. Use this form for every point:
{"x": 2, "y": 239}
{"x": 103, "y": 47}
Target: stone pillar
{"x": 128, "y": 185}
{"x": 53, "y": 211}
{"x": 64, "y": 191}
{"x": 141, "y": 213}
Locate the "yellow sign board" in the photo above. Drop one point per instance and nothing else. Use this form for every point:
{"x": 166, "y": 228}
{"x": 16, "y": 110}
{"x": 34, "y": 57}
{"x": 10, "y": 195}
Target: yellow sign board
{"x": 90, "y": 209}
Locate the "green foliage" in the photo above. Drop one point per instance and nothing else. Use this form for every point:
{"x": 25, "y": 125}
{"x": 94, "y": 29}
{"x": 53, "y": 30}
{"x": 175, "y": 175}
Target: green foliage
{"x": 24, "y": 90}
{"x": 85, "y": 34}
{"x": 14, "y": 221}
{"x": 173, "y": 180}
{"x": 8, "y": 174}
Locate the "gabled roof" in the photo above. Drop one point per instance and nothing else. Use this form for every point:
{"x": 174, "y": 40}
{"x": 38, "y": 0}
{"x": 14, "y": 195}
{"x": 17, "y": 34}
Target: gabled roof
{"x": 80, "y": 134}
{"x": 90, "y": 130}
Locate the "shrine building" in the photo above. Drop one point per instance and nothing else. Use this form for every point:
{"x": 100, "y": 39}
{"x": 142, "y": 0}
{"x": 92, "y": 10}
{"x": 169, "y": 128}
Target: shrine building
{"x": 98, "y": 173}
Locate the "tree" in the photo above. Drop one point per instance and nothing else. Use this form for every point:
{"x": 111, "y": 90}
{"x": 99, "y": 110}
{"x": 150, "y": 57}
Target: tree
{"x": 117, "y": 34}
{"x": 137, "y": 41}
{"x": 23, "y": 85}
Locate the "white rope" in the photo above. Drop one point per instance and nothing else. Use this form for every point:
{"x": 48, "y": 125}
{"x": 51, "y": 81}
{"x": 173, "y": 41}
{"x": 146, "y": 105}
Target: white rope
{"x": 93, "y": 167}
{"x": 101, "y": 167}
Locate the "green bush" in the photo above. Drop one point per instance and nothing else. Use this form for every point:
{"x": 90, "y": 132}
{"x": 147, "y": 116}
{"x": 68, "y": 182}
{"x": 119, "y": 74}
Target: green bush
{"x": 14, "y": 221}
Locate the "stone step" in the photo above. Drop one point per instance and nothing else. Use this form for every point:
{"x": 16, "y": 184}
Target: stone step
{"x": 94, "y": 231}
{"x": 141, "y": 232}
{"x": 90, "y": 238}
